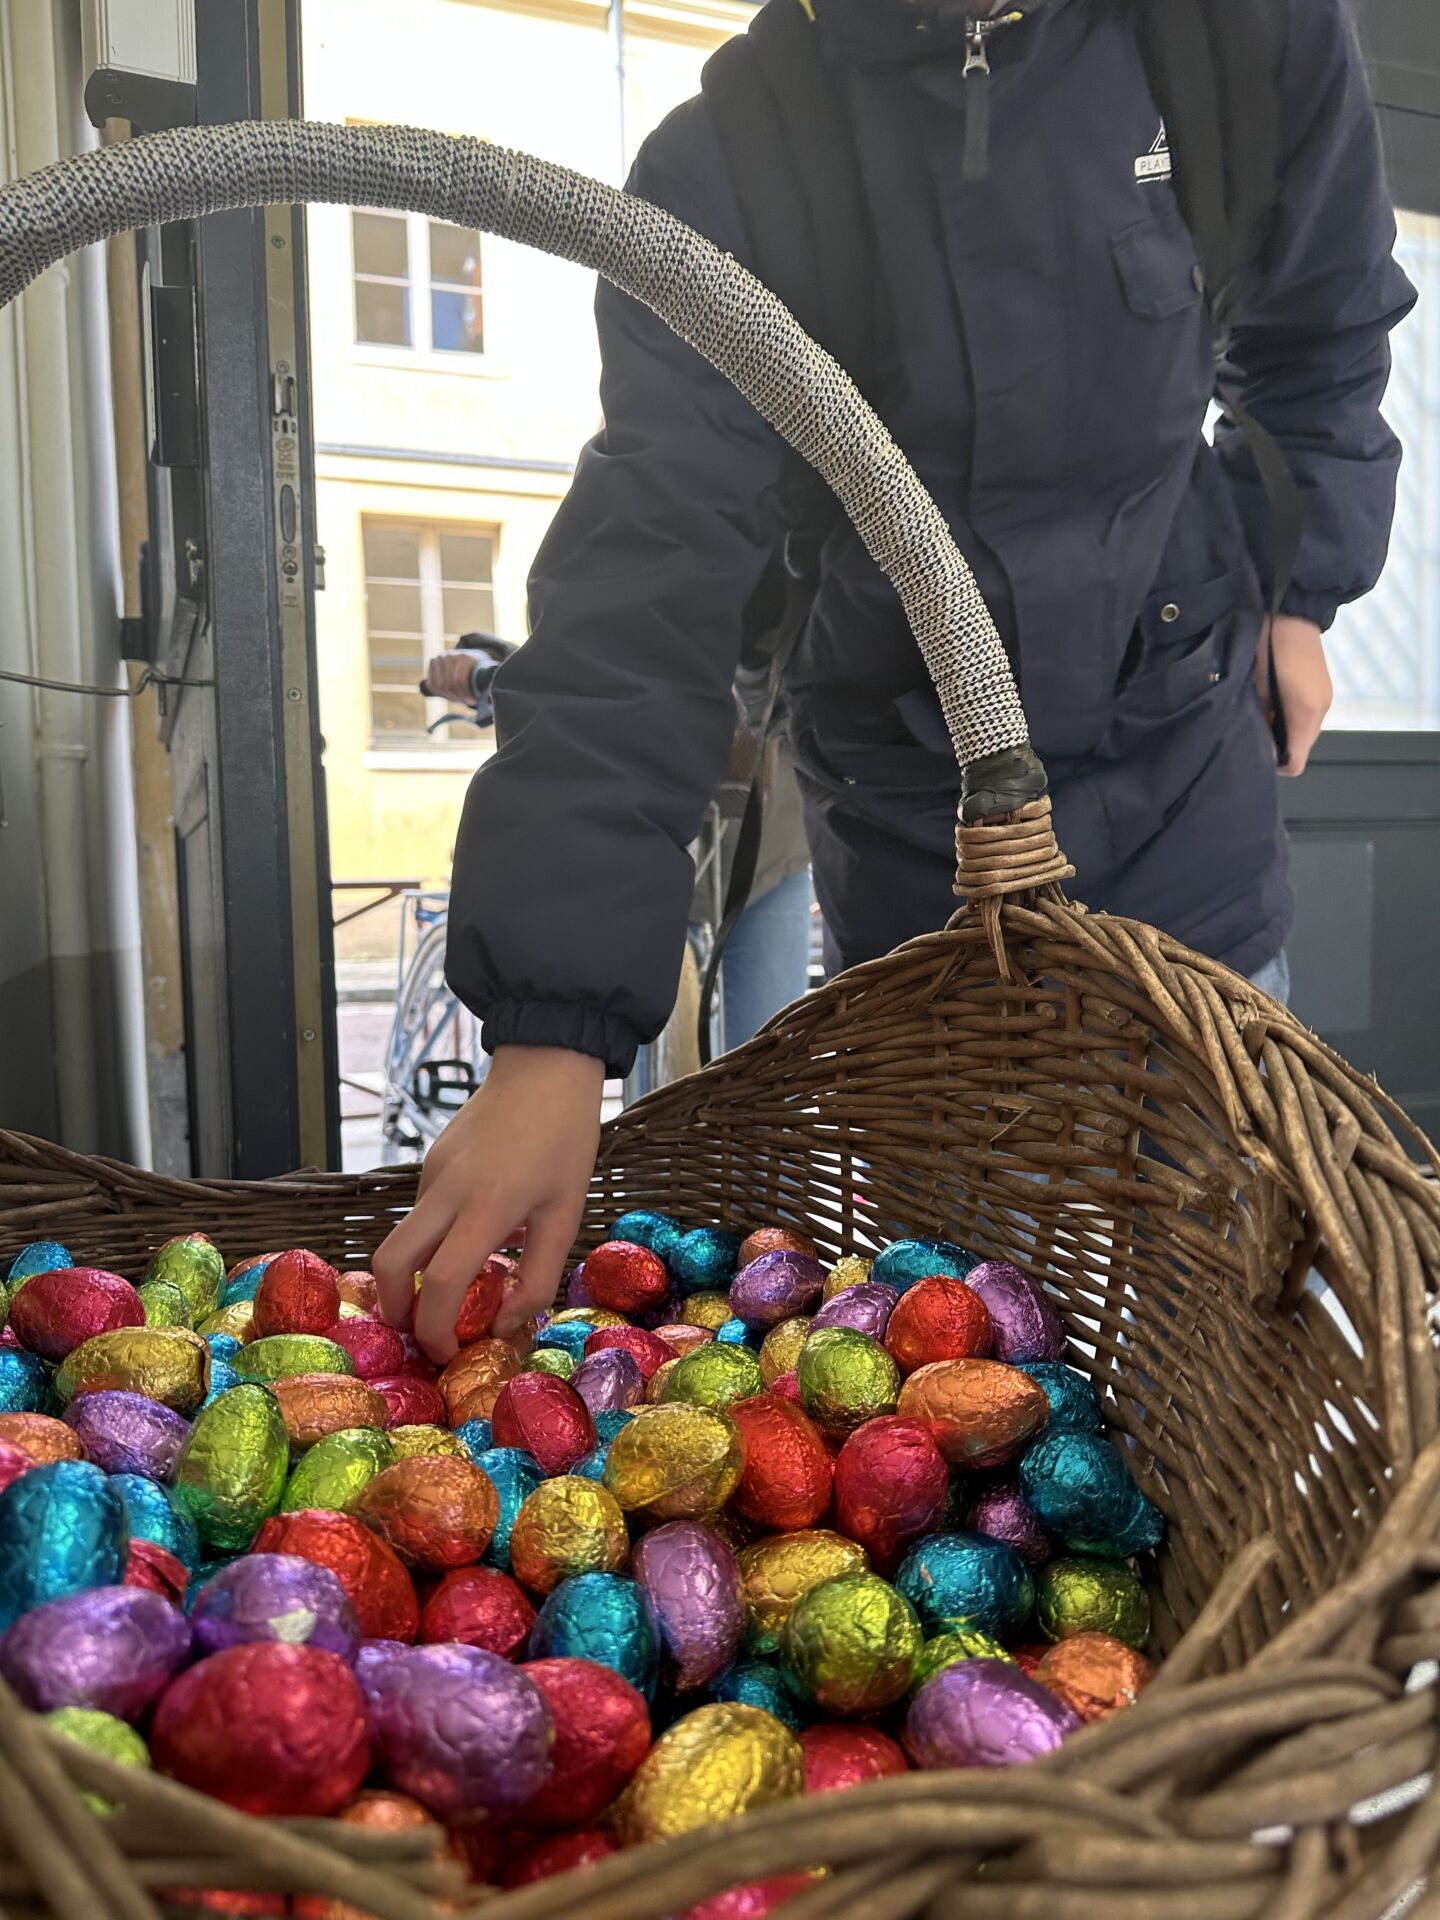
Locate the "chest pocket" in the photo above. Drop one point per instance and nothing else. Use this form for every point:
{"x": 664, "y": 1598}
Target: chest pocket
{"x": 1158, "y": 271}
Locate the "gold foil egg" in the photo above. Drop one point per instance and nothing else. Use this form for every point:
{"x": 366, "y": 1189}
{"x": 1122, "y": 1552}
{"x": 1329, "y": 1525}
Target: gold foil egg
{"x": 314, "y": 1405}
{"x": 848, "y": 1271}
{"x": 708, "y": 1310}
{"x": 168, "y": 1364}
{"x": 776, "y": 1572}
{"x": 238, "y": 1320}
{"x": 781, "y": 1348}
{"x": 717, "y": 1763}
{"x": 981, "y": 1412}
{"x": 567, "y": 1525}
{"x": 592, "y": 1316}
{"x": 674, "y": 1462}
{"x": 656, "y": 1384}
{"x": 407, "y": 1442}
{"x": 471, "y": 1384}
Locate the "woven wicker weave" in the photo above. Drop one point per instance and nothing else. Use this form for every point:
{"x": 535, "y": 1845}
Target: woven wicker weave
{"x": 1170, "y": 1151}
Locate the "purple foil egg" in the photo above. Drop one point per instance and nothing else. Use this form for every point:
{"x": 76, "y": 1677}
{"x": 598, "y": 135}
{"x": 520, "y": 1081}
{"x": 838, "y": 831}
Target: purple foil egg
{"x": 461, "y": 1730}
{"x": 1024, "y": 1325}
{"x": 610, "y": 1381}
{"x": 985, "y": 1713}
{"x": 776, "y": 1287}
{"x": 275, "y": 1596}
{"x": 128, "y": 1433}
{"x": 1004, "y": 1513}
{"x": 112, "y": 1648}
{"x": 577, "y": 1294}
{"x": 865, "y": 1308}
{"x": 692, "y": 1582}
{"x": 371, "y": 1660}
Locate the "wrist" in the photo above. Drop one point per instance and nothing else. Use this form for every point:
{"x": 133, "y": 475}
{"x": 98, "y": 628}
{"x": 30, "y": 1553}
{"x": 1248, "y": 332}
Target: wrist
{"x": 557, "y": 1067}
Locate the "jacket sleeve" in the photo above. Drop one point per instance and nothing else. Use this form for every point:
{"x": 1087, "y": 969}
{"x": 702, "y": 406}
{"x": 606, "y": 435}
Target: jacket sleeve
{"x": 573, "y": 880}
{"x": 1310, "y": 356}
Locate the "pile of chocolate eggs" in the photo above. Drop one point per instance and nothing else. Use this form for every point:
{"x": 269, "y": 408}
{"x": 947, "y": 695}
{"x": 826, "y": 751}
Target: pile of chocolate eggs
{"x": 726, "y": 1527}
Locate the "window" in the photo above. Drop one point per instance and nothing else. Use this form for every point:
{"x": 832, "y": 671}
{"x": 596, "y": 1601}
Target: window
{"x": 417, "y": 284}
{"x": 425, "y": 586}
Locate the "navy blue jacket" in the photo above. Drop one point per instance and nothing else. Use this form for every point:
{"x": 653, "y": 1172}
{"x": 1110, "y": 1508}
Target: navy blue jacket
{"x": 1051, "y": 372}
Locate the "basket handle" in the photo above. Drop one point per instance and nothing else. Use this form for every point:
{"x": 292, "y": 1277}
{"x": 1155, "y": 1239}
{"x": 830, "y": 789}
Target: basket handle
{"x": 711, "y": 302}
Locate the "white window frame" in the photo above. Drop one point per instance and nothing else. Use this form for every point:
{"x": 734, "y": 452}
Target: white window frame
{"x": 421, "y": 354}
{"x": 451, "y": 740}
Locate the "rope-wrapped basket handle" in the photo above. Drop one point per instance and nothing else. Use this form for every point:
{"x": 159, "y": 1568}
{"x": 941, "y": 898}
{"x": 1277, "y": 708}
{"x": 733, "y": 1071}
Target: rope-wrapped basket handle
{"x": 704, "y": 295}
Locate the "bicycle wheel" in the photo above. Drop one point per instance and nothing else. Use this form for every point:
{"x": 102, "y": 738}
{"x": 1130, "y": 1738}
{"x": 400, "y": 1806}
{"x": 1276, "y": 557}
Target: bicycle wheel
{"x": 434, "y": 1060}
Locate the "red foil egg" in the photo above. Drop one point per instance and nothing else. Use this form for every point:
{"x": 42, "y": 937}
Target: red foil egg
{"x": 266, "y": 1727}
{"x": 237, "y": 1902}
{"x": 435, "y": 1511}
{"x": 1028, "y": 1658}
{"x": 788, "y": 1473}
{"x": 626, "y": 1278}
{"x": 412, "y": 1402}
{"x": 845, "y": 1754}
{"x": 546, "y": 1417}
{"x": 561, "y": 1853}
{"x": 471, "y": 1384}
{"x": 374, "y": 1577}
{"x": 58, "y": 1311}
{"x": 40, "y": 1436}
{"x": 298, "y": 1293}
{"x": 891, "y": 1484}
{"x": 479, "y": 1607}
{"x": 785, "y": 1386}
{"x": 376, "y": 1349}
{"x": 602, "y": 1733}
{"x": 937, "y": 1319}
{"x": 646, "y": 1349}
{"x": 482, "y": 1299}
{"x": 157, "y": 1570}
{"x": 14, "y": 1463}
{"x": 752, "y": 1901}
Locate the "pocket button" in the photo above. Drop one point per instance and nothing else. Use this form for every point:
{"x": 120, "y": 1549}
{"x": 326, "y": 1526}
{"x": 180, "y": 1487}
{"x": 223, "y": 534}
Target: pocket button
{"x": 1170, "y": 613}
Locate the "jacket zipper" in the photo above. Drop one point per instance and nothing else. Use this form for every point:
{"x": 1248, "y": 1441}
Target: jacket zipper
{"x": 977, "y": 97}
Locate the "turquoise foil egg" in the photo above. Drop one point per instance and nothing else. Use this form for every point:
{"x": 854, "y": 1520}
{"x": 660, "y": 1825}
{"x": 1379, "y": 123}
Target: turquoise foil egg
{"x": 569, "y": 1336}
{"x": 153, "y": 1515}
{"x": 966, "y": 1576}
{"x": 41, "y": 1256}
{"x": 245, "y": 1284}
{"x": 222, "y": 1377}
{"x": 733, "y": 1333}
{"x": 609, "y": 1422}
{"x": 63, "y": 1529}
{"x": 223, "y": 1346}
{"x": 758, "y": 1683}
{"x": 904, "y": 1262}
{"x": 515, "y": 1475}
{"x": 1074, "y": 1403}
{"x": 592, "y": 1467}
{"x": 602, "y": 1617}
{"x": 476, "y": 1438}
{"x": 1082, "y": 1492}
{"x": 661, "y": 1233}
{"x": 24, "y": 1382}
{"x": 704, "y": 1260}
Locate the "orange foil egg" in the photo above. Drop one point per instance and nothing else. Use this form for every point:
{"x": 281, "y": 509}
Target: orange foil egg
{"x": 436, "y": 1512}
{"x": 788, "y": 1470}
{"x": 42, "y": 1438}
{"x": 471, "y": 1384}
{"x": 980, "y": 1411}
{"x": 298, "y": 1293}
{"x": 1095, "y": 1674}
{"x": 774, "y": 1240}
{"x": 357, "y": 1289}
{"x": 382, "y": 1812}
{"x": 317, "y": 1404}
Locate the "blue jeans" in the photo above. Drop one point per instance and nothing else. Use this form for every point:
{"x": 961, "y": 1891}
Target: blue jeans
{"x": 767, "y": 958}
{"x": 1274, "y": 978}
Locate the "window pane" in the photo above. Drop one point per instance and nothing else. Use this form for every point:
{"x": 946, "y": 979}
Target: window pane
{"x": 466, "y": 558}
{"x": 457, "y": 322}
{"x": 397, "y": 715}
{"x": 381, "y": 244}
{"x": 392, "y": 551}
{"x": 382, "y": 314}
{"x": 469, "y": 610}
{"x": 387, "y": 670}
{"x": 392, "y": 609}
{"x": 454, "y": 255}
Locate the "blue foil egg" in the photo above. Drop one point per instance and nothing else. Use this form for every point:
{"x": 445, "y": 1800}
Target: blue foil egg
{"x": 223, "y": 1346}
{"x": 704, "y": 1260}
{"x": 153, "y": 1515}
{"x": 602, "y": 1617}
{"x": 610, "y": 1420}
{"x": 24, "y": 1382}
{"x": 660, "y": 1232}
{"x": 967, "y": 1576}
{"x": 1074, "y": 1403}
{"x": 475, "y": 1436}
{"x": 41, "y": 1256}
{"x": 515, "y": 1475}
{"x": 734, "y": 1333}
{"x": 222, "y": 1377}
{"x": 904, "y": 1262}
{"x": 63, "y": 1529}
{"x": 243, "y": 1285}
{"x": 592, "y": 1467}
{"x": 1083, "y": 1493}
{"x": 568, "y": 1335}
{"x": 758, "y": 1683}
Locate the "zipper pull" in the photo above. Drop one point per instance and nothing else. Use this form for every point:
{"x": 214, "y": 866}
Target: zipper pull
{"x": 977, "y": 60}
{"x": 976, "y": 165}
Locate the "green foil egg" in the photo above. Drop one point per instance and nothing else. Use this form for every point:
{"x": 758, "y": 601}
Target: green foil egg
{"x": 850, "y": 1645}
{"x": 231, "y": 1471}
{"x": 165, "y": 1305}
{"x": 102, "y": 1733}
{"x": 280, "y": 1356}
{"x": 715, "y": 1376}
{"x": 845, "y": 1379}
{"x": 962, "y": 1642}
{"x": 552, "y": 1360}
{"x": 1076, "y": 1595}
{"x": 193, "y": 1264}
{"x": 336, "y": 1471}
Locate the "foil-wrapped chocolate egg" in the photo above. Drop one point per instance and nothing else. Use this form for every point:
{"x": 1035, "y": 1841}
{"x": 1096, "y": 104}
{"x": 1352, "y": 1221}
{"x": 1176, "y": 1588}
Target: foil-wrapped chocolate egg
{"x": 849, "y": 1644}
{"x": 475, "y": 1436}
{"x": 101, "y": 1733}
{"x": 655, "y": 1385}
{"x": 735, "y": 1333}
{"x": 223, "y": 1346}
{"x": 625, "y": 1277}
{"x": 760, "y": 1683}
{"x": 846, "y": 1378}
{"x": 168, "y": 1364}
{"x": 717, "y": 1763}
{"x": 112, "y": 1648}
{"x": 41, "y": 1436}
{"x": 315, "y": 1405}
{"x": 981, "y": 1413}
{"x": 1074, "y": 1402}
{"x": 689, "y": 1575}
{"x": 602, "y": 1733}
{"x": 645, "y": 1348}
{"x": 568, "y": 1335}
{"x": 567, "y": 1526}
{"x": 298, "y": 1293}
{"x": 374, "y": 1577}
{"x": 608, "y": 1380}
{"x": 231, "y": 1471}
{"x": 959, "y": 1642}
{"x": 984, "y": 1713}
{"x": 903, "y": 1263}
{"x": 556, "y": 1853}
{"x": 222, "y": 1378}
{"x": 461, "y": 1729}
{"x": 283, "y": 1356}
{"x": 1083, "y": 1492}
{"x": 1024, "y": 1323}
{"x": 479, "y": 1607}
{"x": 237, "y": 1321}
{"x": 552, "y": 1360}
{"x": 375, "y": 1350}
{"x": 775, "y": 1240}
{"x": 337, "y": 1470}
{"x": 775, "y": 1287}
{"x": 63, "y": 1530}
{"x": 610, "y": 1420}
{"x": 752, "y": 1899}
{"x": 707, "y": 1310}
{"x": 937, "y": 1319}
{"x": 40, "y": 1256}
{"x": 788, "y": 1470}
{"x": 60, "y": 1310}
{"x": 275, "y": 1596}
{"x": 14, "y": 1464}
{"x": 647, "y": 1227}
{"x": 592, "y": 1315}
{"x": 781, "y": 1346}
{"x": 384, "y": 1812}
{"x": 407, "y": 1442}
{"x": 155, "y": 1570}
{"x": 775, "y": 1572}
{"x": 153, "y": 1513}
{"x": 515, "y": 1475}
{"x": 891, "y": 1486}
{"x": 471, "y": 1384}
{"x": 1095, "y": 1674}
{"x": 482, "y": 1299}
{"x": 840, "y": 1754}
{"x": 546, "y": 1417}
{"x": 1076, "y": 1594}
{"x": 163, "y": 1304}
{"x": 1002, "y": 1511}
{"x": 242, "y": 1282}
{"x": 674, "y": 1462}
{"x": 714, "y": 1376}
{"x": 1028, "y": 1658}
{"x": 192, "y": 1263}
{"x": 850, "y": 1270}
{"x": 704, "y": 1260}
{"x": 436, "y": 1513}
{"x": 965, "y": 1576}
{"x": 603, "y": 1617}
{"x": 269, "y": 1728}
{"x": 24, "y": 1382}
{"x": 410, "y": 1401}
{"x": 357, "y": 1289}
{"x": 865, "y": 1308}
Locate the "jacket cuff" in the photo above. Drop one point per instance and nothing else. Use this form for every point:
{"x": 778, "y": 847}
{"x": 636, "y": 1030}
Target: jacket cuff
{"x": 567, "y": 1024}
{"x": 1319, "y": 607}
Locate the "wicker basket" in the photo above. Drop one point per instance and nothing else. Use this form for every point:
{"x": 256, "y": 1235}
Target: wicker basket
{"x": 1171, "y": 1152}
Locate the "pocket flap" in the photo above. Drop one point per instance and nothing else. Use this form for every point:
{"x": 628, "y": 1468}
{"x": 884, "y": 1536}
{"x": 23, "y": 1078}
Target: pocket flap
{"x": 1158, "y": 268}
